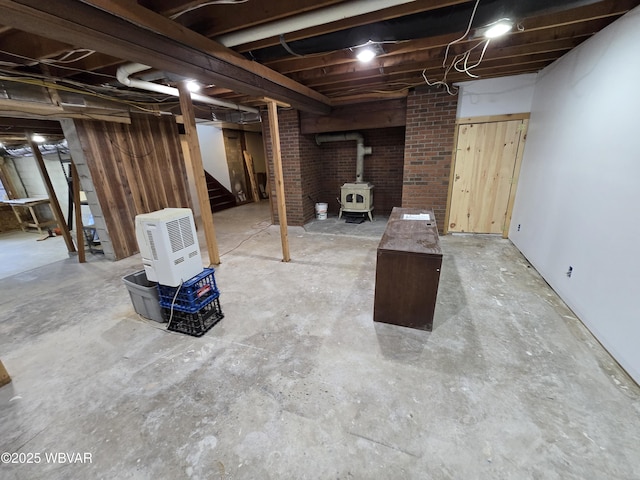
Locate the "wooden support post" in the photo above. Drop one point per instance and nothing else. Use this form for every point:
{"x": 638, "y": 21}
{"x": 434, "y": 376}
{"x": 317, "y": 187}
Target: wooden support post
{"x": 279, "y": 179}
{"x": 4, "y": 375}
{"x": 186, "y": 107}
{"x": 75, "y": 180}
{"x": 248, "y": 160}
{"x": 53, "y": 199}
{"x": 193, "y": 192}
{"x": 268, "y": 171}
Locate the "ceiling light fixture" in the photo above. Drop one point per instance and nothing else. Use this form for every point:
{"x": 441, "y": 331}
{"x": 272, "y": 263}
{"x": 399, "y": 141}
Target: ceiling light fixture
{"x": 193, "y": 86}
{"x": 367, "y": 52}
{"x": 37, "y": 138}
{"x": 499, "y": 28}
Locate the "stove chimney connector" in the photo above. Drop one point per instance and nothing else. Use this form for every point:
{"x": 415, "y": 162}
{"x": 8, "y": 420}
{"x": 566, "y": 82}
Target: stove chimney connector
{"x": 361, "y": 150}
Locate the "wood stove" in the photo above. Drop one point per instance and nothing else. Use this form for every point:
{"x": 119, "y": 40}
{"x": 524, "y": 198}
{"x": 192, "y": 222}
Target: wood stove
{"x": 356, "y": 198}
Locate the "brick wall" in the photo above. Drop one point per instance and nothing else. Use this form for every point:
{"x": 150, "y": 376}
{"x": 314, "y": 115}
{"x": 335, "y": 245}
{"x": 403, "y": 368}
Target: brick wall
{"x": 300, "y": 168}
{"x": 431, "y": 116}
{"x": 383, "y": 168}
{"x": 408, "y": 166}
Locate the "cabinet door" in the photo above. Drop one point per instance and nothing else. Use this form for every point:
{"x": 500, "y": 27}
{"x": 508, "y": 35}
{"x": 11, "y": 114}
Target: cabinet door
{"x": 406, "y": 288}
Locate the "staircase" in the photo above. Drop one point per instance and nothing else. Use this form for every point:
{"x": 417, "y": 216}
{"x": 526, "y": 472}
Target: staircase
{"x": 219, "y": 197}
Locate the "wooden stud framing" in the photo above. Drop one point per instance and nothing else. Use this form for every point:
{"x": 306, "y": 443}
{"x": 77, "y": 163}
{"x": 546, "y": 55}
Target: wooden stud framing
{"x": 75, "y": 180}
{"x": 279, "y": 179}
{"x": 516, "y": 176}
{"x": 186, "y": 107}
{"x": 55, "y": 206}
{"x": 493, "y": 118}
{"x": 445, "y": 227}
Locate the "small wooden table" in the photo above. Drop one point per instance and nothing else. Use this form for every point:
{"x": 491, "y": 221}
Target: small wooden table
{"x": 18, "y": 205}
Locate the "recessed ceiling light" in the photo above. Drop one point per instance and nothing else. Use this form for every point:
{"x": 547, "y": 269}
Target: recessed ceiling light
{"x": 37, "y": 138}
{"x": 499, "y": 28}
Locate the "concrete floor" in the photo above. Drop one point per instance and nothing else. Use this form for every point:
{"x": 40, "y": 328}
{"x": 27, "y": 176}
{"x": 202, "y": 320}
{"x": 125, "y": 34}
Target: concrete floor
{"x": 297, "y": 382}
{"x": 21, "y": 251}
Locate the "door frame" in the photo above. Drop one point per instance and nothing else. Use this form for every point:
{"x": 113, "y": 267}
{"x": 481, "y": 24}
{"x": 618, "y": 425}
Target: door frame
{"x": 516, "y": 170}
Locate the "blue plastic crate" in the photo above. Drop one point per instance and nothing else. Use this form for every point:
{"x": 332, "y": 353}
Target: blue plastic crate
{"x": 192, "y": 295}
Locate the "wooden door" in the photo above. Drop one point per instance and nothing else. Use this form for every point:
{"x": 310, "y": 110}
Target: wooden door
{"x": 484, "y": 177}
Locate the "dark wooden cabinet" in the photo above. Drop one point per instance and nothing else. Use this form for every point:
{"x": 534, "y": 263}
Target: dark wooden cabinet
{"x": 408, "y": 269}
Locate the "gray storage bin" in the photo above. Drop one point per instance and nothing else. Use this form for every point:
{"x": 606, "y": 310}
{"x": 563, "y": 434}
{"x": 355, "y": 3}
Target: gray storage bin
{"x": 144, "y": 295}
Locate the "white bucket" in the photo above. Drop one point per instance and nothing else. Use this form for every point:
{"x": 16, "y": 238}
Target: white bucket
{"x": 321, "y": 211}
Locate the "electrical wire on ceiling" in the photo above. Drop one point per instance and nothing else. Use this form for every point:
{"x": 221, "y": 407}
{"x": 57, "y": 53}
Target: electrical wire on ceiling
{"x": 206, "y": 4}
{"x": 65, "y": 58}
{"x": 460, "y": 62}
{"x": 56, "y": 86}
{"x": 54, "y": 62}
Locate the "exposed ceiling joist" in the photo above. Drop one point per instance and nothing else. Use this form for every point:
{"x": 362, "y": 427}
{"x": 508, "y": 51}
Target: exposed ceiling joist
{"x": 134, "y": 33}
{"x": 22, "y": 109}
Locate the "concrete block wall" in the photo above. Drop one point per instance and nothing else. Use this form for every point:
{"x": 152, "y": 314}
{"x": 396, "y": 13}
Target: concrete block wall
{"x": 431, "y": 116}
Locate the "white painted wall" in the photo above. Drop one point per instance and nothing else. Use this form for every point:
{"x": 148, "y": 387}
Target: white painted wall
{"x": 578, "y": 197}
{"x": 496, "y": 96}
{"x": 27, "y": 174}
{"x": 214, "y": 158}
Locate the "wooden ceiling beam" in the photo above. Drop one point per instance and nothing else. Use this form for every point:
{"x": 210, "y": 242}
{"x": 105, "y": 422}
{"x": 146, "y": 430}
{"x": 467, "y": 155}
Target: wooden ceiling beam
{"x": 23, "y": 109}
{"x": 19, "y": 125}
{"x": 594, "y": 11}
{"x": 429, "y": 57}
{"x": 128, "y": 31}
{"x": 412, "y": 47}
{"x": 417, "y": 6}
{"x": 395, "y": 82}
{"x": 35, "y": 47}
{"x": 239, "y": 16}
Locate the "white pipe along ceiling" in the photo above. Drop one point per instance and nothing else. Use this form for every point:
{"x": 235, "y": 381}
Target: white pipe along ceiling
{"x": 123, "y": 76}
{"x": 307, "y": 20}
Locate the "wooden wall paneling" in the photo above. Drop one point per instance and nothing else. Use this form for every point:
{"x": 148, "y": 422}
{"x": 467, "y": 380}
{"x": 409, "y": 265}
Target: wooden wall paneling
{"x": 483, "y": 173}
{"x": 134, "y": 169}
{"x": 107, "y": 171}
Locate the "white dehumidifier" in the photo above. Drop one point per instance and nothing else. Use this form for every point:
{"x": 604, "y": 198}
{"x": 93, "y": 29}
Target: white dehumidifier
{"x": 169, "y": 246}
